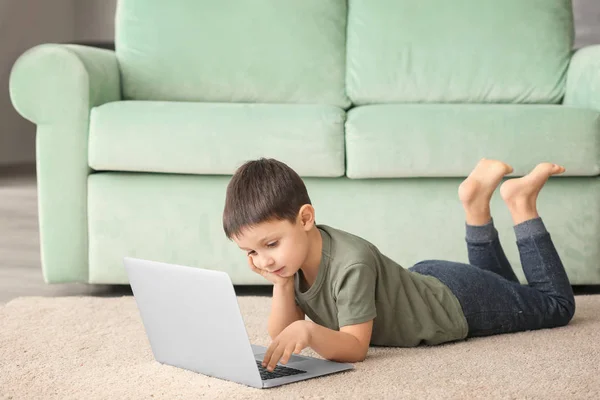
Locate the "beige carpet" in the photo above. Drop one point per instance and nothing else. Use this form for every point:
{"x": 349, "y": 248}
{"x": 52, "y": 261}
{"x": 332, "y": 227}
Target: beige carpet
{"x": 96, "y": 348}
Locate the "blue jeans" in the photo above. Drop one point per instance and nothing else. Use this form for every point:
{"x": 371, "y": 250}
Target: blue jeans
{"x": 492, "y": 298}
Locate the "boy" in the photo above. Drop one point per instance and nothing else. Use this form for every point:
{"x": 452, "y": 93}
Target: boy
{"x": 356, "y": 296}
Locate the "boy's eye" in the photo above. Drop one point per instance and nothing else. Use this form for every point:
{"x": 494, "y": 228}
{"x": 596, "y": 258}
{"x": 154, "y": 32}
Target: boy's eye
{"x": 270, "y": 245}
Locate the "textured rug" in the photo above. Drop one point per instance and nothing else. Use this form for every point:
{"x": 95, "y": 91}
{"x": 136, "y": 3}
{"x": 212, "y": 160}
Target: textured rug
{"x": 96, "y": 348}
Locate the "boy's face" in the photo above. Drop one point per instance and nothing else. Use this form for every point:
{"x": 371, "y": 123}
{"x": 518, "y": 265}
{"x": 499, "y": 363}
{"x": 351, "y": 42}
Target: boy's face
{"x": 278, "y": 246}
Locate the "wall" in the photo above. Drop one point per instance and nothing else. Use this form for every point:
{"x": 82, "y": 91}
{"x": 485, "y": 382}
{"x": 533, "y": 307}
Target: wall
{"x": 587, "y": 22}
{"x": 20, "y": 29}
{"x": 94, "y": 19}
{"x": 66, "y": 20}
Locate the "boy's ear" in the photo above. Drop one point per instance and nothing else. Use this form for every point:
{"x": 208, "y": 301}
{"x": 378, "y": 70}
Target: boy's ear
{"x": 306, "y": 216}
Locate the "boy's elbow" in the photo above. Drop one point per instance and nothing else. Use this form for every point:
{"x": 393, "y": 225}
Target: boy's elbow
{"x": 363, "y": 356}
{"x": 351, "y": 357}
{"x": 363, "y": 350}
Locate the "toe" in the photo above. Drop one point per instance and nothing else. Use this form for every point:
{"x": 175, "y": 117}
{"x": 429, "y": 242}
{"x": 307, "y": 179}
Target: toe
{"x": 544, "y": 168}
{"x": 557, "y": 169}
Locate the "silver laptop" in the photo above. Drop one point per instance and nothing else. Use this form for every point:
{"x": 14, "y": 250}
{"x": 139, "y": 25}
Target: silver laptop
{"x": 193, "y": 321}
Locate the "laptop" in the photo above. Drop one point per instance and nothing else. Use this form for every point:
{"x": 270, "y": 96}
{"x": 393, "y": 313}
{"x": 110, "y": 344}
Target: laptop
{"x": 193, "y": 321}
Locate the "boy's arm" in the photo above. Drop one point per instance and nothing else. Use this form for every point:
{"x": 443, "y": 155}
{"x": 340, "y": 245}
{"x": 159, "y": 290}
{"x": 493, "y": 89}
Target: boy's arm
{"x": 349, "y": 344}
{"x": 284, "y": 310}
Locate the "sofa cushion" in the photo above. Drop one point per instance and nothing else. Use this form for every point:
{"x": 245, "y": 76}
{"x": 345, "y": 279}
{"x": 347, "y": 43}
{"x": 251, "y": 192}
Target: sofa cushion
{"x": 267, "y": 51}
{"x": 206, "y": 138}
{"x": 409, "y": 220}
{"x": 465, "y": 51}
{"x": 447, "y": 140}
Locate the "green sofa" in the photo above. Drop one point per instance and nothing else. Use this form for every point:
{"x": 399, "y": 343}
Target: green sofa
{"x": 382, "y": 106}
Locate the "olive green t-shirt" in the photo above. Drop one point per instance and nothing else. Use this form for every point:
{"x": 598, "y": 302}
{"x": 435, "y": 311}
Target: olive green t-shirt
{"x": 356, "y": 283}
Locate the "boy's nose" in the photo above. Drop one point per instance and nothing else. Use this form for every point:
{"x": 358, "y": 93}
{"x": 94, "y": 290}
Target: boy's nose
{"x": 267, "y": 262}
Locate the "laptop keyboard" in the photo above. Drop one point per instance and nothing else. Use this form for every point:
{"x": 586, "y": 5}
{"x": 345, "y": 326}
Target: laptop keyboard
{"x": 278, "y": 372}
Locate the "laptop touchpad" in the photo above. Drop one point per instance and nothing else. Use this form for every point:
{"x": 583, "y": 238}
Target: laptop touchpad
{"x": 292, "y": 359}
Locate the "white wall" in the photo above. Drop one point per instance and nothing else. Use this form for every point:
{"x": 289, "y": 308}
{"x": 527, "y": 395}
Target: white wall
{"x": 25, "y": 23}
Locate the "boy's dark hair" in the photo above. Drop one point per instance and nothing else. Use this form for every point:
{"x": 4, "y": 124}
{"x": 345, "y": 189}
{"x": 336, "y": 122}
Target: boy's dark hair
{"x": 262, "y": 190}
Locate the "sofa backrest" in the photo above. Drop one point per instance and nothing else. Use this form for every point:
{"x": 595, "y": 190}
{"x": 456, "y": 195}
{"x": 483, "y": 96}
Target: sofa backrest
{"x": 264, "y": 51}
{"x": 324, "y": 51}
{"x": 476, "y": 51}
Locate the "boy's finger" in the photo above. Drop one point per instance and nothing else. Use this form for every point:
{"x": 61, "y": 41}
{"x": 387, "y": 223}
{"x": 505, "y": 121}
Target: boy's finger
{"x": 268, "y": 354}
{"x": 277, "y": 353}
{"x": 252, "y": 266}
{"x": 286, "y": 355}
{"x": 259, "y": 271}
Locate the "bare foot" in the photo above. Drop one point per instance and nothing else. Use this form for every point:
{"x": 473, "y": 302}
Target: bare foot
{"x": 520, "y": 194}
{"x": 476, "y": 190}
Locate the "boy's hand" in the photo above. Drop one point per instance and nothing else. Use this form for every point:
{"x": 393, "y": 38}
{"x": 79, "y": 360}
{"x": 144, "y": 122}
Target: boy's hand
{"x": 271, "y": 277}
{"x": 295, "y": 337}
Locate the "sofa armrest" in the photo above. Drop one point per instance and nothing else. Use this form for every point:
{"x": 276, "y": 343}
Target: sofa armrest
{"x": 53, "y": 82}
{"x": 583, "y": 79}
{"x": 55, "y": 86}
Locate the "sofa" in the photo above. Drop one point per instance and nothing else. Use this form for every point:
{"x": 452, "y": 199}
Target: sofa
{"x": 382, "y": 106}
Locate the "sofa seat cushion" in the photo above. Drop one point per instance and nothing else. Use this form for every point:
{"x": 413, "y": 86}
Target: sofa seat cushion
{"x": 445, "y": 140}
{"x": 132, "y": 215}
{"x": 215, "y": 139}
